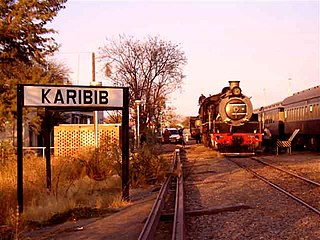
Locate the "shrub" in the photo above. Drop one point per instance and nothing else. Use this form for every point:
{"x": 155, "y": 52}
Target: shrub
{"x": 147, "y": 166}
{"x": 101, "y": 162}
{"x": 7, "y": 152}
{"x": 83, "y": 181}
{"x": 88, "y": 180}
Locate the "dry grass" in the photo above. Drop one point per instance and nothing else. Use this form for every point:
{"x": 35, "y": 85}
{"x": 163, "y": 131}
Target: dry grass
{"x": 71, "y": 188}
{"x": 83, "y": 186}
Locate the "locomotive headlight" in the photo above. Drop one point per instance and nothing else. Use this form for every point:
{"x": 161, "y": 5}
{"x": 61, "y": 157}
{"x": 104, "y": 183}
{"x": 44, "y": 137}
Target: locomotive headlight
{"x": 236, "y": 91}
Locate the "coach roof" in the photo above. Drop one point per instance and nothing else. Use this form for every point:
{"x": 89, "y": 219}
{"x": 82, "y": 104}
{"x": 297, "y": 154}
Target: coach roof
{"x": 303, "y": 95}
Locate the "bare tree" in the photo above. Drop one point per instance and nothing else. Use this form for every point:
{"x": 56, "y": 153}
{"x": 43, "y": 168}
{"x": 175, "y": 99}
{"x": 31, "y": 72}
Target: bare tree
{"x": 152, "y": 69}
{"x": 113, "y": 117}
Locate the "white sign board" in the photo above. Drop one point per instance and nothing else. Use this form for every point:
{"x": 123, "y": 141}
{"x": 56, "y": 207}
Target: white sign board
{"x": 68, "y": 96}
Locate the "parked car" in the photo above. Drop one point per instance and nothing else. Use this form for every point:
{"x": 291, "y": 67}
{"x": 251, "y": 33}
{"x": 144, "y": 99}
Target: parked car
{"x": 174, "y": 137}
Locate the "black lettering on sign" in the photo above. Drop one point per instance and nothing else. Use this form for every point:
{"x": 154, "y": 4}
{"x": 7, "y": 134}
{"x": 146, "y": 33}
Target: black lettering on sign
{"x": 59, "y": 97}
{"x": 79, "y": 95}
{"x": 87, "y": 97}
{"x": 71, "y": 95}
{"x": 103, "y": 97}
{"x": 95, "y": 97}
{"x": 44, "y": 95}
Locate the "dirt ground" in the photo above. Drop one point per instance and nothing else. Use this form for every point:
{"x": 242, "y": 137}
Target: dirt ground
{"x": 125, "y": 224}
{"x": 128, "y": 222}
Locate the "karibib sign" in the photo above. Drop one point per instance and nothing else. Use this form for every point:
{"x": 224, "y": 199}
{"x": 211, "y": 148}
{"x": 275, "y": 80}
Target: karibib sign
{"x": 68, "y": 96}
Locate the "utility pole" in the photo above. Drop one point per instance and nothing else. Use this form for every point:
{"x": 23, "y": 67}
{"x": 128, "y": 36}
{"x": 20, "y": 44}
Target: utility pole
{"x": 95, "y": 113}
{"x": 137, "y": 103}
{"x": 93, "y": 68}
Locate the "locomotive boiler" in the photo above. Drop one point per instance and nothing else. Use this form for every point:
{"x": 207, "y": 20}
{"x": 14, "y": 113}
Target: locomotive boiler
{"x": 227, "y": 122}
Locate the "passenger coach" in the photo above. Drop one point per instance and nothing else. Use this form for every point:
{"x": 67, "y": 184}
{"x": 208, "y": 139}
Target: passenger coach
{"x": 299, "y": 111}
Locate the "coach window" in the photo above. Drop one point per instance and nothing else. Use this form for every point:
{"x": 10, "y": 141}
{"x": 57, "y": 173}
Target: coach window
{"x": 306, "y": 115}
{"x": 305, "y": 112}
{"x": 292, "y": 114}
{"x": 314, "y": 111}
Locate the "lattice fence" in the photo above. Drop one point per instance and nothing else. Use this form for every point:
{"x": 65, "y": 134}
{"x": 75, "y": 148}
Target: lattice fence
{"x": 69, "y": 139}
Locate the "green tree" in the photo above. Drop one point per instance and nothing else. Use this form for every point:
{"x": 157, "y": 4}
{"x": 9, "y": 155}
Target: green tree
{"x": 152, "y": 69}
{"x": 25, "y": 43}
{"x": 23, "y": 32}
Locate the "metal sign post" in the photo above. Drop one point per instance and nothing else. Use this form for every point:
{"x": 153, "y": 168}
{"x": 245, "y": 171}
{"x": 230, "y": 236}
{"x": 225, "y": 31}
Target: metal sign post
{"x": 71, "y": 98}
{"x": 125, "y": 145}
{"x": 47, "y": 145}
{"x": 19, "y": 148}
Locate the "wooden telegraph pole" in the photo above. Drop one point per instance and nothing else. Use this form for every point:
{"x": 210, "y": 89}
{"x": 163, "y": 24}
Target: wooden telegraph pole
{"x": 95, "y": 113}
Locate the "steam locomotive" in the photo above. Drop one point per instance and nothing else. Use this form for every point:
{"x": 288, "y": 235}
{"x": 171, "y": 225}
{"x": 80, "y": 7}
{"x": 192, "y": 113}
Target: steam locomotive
{"x": 298, "y": 111}
{"x": 227, "y": 122}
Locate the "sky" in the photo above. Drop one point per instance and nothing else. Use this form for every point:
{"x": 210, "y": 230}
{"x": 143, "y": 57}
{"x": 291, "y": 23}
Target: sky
{"x": 271, "y": 47}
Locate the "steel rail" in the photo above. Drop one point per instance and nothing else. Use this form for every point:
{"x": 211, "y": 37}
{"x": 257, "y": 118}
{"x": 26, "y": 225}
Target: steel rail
{"x": 288, "y": 172}
{"x": 278, "y": 187}
{"x": 151, "y": 224}
{"x": 178, "y": 223}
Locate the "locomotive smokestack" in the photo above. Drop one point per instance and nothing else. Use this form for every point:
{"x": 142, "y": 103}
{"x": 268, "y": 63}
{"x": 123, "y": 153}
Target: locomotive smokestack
{"x": 233, "y": 84}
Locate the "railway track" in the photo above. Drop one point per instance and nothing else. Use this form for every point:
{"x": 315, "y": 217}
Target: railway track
{"x": 204, "y": 210}
{"x": 172, "y": 185}
{"x": 300, "y": 192}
